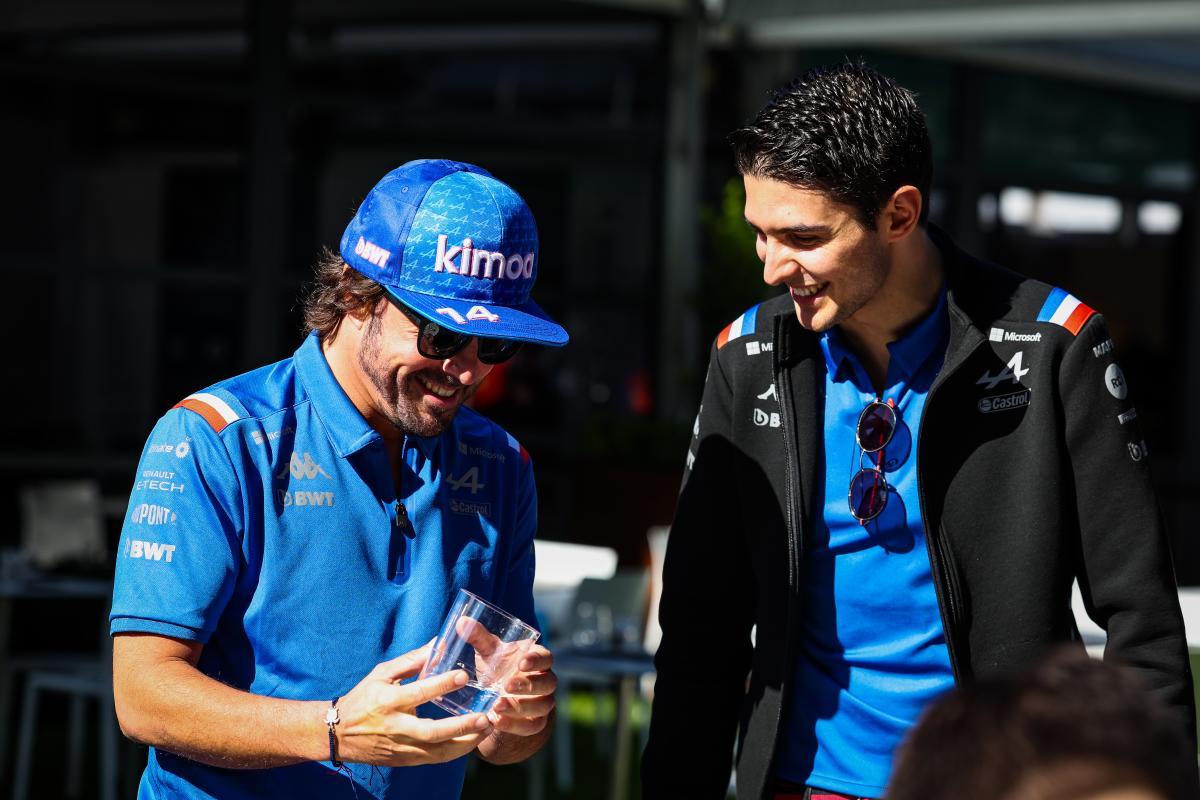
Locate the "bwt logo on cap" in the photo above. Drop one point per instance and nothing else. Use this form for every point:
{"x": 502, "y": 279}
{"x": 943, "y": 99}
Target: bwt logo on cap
{"x": 495, "y": 265}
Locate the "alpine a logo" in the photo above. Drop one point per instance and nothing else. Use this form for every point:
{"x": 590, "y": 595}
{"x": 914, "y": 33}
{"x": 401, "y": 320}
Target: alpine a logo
{"x": 1004, "y": 402}
{"x": 481, "y": 263}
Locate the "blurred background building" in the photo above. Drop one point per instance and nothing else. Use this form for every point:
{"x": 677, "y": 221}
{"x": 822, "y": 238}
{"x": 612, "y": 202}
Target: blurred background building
{"x": 172, "y": 170}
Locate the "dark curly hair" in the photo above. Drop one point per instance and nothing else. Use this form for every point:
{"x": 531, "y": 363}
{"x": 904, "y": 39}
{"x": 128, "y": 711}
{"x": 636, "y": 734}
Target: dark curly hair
{"x": 845, "y": 130}
{"x": 337, "y": 289}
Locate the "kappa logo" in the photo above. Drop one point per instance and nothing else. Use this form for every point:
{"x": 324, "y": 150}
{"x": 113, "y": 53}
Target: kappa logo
{"x": 1114, "y": 381}
{"x": 691, "y": 459}
{"x": 1103, "y": 348}
{"x": 474, "y": 262}
{"x": 1013, "y": 371}
{"x": 1138, "y": 450}
{"x": 1005, "y": 402}
{"x": 763, "y": 419}
{"x": 769, "y": 394}
{"x": 468, "y": 480}
{"x": 302, "y": 468}
{"x": 150, "y": 551}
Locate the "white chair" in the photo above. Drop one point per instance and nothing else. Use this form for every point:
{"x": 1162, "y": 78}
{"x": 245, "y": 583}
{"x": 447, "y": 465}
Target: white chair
{"x": 62, "y": 522}
{"x": 607, "y": 614}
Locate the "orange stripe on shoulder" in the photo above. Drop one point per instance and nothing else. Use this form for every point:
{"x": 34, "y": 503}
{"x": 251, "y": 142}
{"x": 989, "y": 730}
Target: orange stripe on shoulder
{"x": 210, "y": 414}
{"x": 1078, "y": 318}
{"x": 723, "y": 336}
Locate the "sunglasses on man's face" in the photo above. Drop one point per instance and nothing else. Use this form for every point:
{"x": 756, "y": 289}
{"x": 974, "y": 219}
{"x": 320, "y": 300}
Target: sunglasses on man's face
{"x": 439, "y": 343}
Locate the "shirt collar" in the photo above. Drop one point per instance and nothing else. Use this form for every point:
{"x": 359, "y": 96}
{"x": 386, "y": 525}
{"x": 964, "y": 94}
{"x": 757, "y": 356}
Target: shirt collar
{"x": 909, "y": 352}
{"x": 347, "y": 429}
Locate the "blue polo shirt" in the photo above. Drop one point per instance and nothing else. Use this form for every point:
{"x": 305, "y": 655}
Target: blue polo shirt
{"x": 872, "y": 649}
{"x": 265, "y": 524}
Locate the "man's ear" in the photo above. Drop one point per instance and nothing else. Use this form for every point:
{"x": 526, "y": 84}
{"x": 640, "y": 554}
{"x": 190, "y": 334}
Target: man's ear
{"x": 901, "y": 213}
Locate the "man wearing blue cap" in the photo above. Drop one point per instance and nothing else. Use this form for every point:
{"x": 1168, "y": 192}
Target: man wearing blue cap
{"x": 296, "y": 534}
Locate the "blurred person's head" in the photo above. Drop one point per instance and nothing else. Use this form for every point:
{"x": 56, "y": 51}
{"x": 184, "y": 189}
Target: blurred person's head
{"x": 1073, "y": 728}
{"x": 430, "y": 289}
{"x": 837, "y": 169}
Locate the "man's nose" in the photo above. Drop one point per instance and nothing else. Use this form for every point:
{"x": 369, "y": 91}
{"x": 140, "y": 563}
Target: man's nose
{"x": 779, "y": 264}
{"x": 465, "y": 366}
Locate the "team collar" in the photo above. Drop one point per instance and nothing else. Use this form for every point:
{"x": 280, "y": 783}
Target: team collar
{"x": 347, "y": 429}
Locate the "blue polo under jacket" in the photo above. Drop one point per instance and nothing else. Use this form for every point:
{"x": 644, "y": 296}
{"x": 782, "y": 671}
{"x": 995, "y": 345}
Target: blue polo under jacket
{"x": 264, "y": 523}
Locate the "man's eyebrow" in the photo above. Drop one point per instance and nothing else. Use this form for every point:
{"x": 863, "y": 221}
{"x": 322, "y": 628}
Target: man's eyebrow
{"x": 796, "y": 230}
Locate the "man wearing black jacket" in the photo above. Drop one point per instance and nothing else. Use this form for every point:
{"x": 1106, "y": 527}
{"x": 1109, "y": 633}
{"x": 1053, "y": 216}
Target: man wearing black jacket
{"x": 898, "y": 469}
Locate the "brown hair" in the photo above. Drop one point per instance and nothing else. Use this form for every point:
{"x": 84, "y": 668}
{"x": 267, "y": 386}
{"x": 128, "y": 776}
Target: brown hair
{"x": 1070, "y": 728}
{"x": 337, "y": 290}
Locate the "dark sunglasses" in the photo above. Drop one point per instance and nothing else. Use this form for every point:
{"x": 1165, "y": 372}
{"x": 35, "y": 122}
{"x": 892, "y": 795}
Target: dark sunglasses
{"x": 439, "y": 343}
{"x": 869, "y": 488}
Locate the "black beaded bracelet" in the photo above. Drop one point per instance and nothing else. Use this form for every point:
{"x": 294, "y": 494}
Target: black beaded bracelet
{"x": 332, "y": 718}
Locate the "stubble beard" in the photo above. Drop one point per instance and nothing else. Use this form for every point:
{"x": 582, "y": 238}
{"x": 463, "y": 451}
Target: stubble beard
{"x": 400, "y": 397}
{"x": 858, "y": 287}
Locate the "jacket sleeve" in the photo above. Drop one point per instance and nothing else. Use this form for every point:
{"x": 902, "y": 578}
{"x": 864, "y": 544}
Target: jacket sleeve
{"x": 706, "y": 616}
{"x": 1126, "y": 575}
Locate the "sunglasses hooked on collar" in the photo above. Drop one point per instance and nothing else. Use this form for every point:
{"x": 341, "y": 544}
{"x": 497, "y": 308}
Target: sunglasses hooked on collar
{"x": 439, "y": 343}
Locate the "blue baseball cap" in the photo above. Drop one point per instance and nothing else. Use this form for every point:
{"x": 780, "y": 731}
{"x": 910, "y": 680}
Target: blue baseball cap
{"x": 455, "y": 245}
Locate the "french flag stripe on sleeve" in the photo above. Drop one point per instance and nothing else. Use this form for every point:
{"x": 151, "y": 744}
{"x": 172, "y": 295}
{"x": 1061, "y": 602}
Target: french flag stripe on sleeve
{"x": 1066, "y": 310}
{"x": 216, "y": 412}
{"x": 742, "y": 326}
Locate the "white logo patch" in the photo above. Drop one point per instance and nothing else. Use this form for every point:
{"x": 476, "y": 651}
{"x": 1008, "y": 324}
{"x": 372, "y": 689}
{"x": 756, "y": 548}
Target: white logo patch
{"x": 753, "y": 348}
{"x": 289, "y": 499}
{"x": 468, "y": 480}
{"x": 1114, "y": 381}
{"x": 1128, "y": 416}
{"x": 769, "y": 394}
{"x": 1138, "y": 450}
{"x": 762, "y": 418}
{"x": 1103, "y": 348}
{"x": 150, "y": 514}
{"x": 371, "y": 252}
{"x": 151, "y": 551}
{"x": 1013, "y": 371}
{"x": 996, "y": 335}
{"x": 474, "y": 262}
{"x": 303, "y": 468}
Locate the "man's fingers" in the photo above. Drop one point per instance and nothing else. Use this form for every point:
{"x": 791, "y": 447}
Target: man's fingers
{"x": 515, "y": 707}
{"x": 538, "y": 659}
{"x": 532, "y": 683}
{"x": 404, "y": 666}
{"x": 478, "y": 636}
{"x": 411, "y": 695}
{"x": 436, "y": 731}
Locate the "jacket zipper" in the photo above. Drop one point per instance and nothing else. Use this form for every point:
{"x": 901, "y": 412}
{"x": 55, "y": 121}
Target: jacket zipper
{"x": 948, "y": 603}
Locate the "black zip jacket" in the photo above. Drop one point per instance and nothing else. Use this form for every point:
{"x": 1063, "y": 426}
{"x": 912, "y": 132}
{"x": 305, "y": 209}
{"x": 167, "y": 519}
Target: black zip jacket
{"x": 1032, "y": 473}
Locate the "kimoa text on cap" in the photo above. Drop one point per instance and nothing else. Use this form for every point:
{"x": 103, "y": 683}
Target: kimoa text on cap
{"x": 473, "y": 262}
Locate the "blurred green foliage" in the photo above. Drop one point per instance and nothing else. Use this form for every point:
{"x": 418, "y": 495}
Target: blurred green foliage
{"x": 731, "y": 279}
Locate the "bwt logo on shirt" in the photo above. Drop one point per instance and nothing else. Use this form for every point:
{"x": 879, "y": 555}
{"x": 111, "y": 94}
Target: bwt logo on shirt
{"x": 512, "y": 267}
{"x": 151, "y": 551}
{"x": 289, "y": 499}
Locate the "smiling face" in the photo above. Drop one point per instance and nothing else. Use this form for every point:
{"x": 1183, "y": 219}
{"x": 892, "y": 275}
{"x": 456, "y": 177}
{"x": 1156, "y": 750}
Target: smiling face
{"x": 416, "y": 395}
{"x": 833, "y": 265}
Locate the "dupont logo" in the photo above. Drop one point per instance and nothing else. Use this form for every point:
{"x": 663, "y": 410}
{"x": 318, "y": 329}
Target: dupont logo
{"x": 1004, "y": 402}
{"x": 151, "y": 514}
